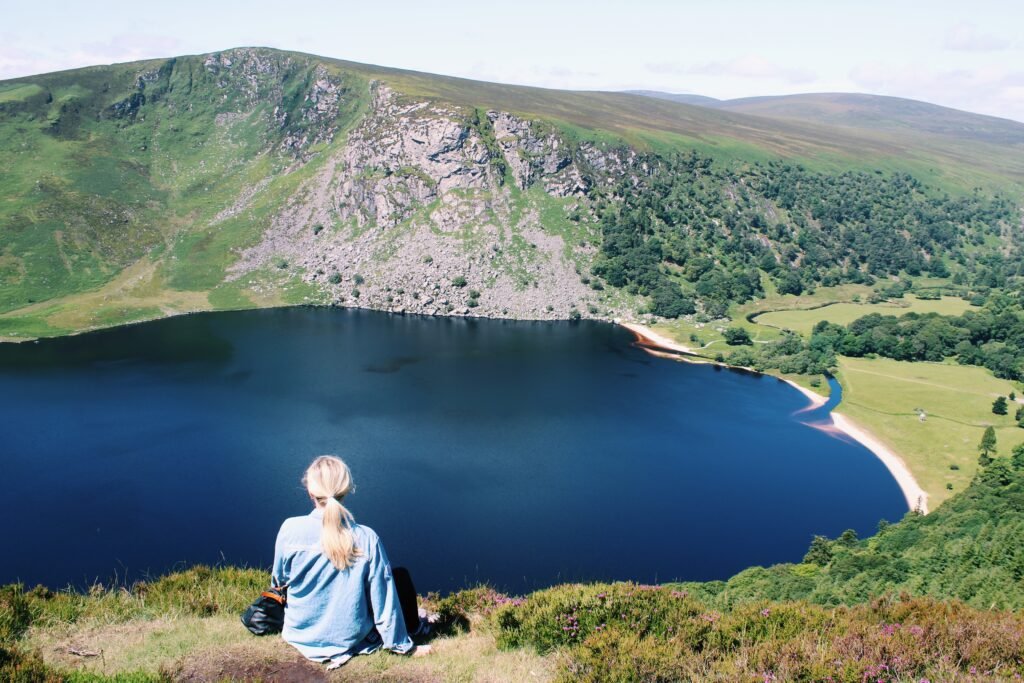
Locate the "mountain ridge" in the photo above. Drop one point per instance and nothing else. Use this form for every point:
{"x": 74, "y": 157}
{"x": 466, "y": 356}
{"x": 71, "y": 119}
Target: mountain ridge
{"x": 867, "y": 111}
{"x": 255, "y": 177}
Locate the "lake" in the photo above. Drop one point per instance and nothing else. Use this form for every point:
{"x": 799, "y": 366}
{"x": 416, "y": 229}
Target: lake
{"x": 520, "y": 454}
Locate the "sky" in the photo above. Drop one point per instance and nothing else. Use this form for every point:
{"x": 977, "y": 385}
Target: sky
{"x": 967, "y": 55}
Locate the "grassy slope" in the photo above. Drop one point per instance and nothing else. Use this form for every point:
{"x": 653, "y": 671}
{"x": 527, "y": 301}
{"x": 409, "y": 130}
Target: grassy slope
{"x": 940, "y": 132}
{"x": 883, "y": 395}
{"x": 875, "y": 112}
{"x": 95, "y": 191}
{"x": 803, "y": 321}
{"x": 933, "y": 156}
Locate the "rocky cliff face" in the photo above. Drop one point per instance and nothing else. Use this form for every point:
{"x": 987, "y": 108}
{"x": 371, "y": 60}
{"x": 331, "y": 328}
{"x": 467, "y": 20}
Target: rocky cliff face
{"x": 431, "y": 208}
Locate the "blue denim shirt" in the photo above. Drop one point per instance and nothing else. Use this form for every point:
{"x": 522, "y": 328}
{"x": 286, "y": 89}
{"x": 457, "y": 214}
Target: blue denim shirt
{"x": 333, "y": 614}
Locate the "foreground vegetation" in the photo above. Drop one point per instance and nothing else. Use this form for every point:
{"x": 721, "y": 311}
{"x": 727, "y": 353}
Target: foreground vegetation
{"x": 934, "y": 597}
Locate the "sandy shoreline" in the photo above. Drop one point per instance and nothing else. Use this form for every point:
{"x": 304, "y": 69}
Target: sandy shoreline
{"x": 816, "y": 399}
{"x": 653, "y": 338}
{"x": 653, "y": 341}
{"x": 916, "y": 497}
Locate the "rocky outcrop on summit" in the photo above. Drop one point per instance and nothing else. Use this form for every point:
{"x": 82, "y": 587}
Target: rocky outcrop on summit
{"x": 249, "y": 77}
{"x": 430, "y": 208}
{"x": 406, "y": 154}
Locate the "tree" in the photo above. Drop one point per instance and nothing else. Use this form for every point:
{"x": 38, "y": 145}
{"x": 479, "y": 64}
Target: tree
{"x": 999, "y": 406}
{"x": 848, "y": 538}
{"x": 820, "y": 552}
{"x": 1017, "y": 459}
{"x": 987, "y": 446}
{"x": 737, "y": 336}
{"x": 668, "y": 301}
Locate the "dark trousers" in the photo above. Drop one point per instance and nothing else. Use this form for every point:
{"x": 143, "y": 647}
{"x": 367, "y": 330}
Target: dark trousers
{"x": 407, "y": 598}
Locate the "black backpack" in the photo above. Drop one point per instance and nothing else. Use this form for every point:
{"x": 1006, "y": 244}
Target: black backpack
{"x": 266, "y": 615}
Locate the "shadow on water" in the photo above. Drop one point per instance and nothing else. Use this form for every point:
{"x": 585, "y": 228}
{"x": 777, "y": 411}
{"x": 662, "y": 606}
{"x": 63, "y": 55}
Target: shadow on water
{"x": 172, "y": 341}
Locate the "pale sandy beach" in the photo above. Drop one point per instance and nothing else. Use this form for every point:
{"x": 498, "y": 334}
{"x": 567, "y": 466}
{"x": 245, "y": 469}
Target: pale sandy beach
{"x": 816, "y": 399}
{"x": 647, "y": 334}
{"x": 912, "y": 491}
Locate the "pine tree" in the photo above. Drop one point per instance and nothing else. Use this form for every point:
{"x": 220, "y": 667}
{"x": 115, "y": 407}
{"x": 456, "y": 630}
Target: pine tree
{"x": 987, "y": 446}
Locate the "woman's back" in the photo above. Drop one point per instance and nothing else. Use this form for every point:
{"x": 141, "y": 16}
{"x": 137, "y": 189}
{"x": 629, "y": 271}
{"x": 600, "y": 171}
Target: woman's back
{"x": 335, "y": 612}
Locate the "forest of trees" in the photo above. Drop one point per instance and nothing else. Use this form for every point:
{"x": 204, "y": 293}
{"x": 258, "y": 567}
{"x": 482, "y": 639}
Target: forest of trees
{"x": 692, "y": 230}
{"x": 992, "y": 337}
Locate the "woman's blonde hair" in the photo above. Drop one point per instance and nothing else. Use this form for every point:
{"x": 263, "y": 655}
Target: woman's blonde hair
{"x": 328, "y": 481}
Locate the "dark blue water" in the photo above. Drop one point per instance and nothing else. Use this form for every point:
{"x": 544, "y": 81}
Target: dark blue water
{"x": 520, "y": 454}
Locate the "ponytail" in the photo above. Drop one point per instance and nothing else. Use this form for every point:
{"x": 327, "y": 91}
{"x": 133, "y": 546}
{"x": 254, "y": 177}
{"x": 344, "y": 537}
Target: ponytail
{"x": 328, "y": 480}
{"x": 336, "y": 538}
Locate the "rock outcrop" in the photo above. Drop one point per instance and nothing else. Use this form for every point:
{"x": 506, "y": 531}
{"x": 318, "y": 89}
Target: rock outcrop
{"x": 430, "y": 208}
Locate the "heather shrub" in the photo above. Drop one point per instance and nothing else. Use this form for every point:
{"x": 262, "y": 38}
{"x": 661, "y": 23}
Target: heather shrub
{"x": 626, "y": 632}
{"x": 568, "y": 614}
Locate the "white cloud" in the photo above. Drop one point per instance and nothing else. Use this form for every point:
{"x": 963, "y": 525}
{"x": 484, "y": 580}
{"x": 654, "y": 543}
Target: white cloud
{"x": 966, "y": 37}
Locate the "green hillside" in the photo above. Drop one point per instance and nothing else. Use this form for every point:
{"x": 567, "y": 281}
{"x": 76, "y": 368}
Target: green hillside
{"x": 132, "y": 190}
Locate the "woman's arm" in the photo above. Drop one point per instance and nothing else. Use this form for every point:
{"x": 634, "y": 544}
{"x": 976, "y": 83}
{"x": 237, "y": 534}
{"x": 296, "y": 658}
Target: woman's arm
{"x": 279, "y": 572}
{"x": 387, "y": 612}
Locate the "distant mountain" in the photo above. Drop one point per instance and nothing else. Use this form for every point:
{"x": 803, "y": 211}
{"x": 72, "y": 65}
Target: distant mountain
{"x": 682, "y": 98}
{"x": 876, "y": 113}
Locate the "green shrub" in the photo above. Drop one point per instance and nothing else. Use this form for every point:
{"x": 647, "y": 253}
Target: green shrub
{"x": 20, "y": 667}
{"x": 737, "y": 336}
{"x": 15, "y": 613}
{"x": 568, "y": 614}
{"x": 459, "y": 281}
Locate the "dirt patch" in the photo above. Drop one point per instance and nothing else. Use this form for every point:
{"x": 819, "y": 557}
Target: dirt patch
{"x": 245, "y": 664}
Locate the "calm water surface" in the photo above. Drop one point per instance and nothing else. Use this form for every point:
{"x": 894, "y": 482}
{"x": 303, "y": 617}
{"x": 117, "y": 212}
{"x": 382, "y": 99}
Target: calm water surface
{"x": 521, "y": 454}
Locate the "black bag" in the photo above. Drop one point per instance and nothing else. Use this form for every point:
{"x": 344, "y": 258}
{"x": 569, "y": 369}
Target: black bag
{"x": 266, "y": 615}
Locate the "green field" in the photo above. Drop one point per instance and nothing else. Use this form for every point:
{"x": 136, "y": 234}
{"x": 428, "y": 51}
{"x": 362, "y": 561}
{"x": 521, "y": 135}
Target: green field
{"x": 803, "y": 321}
{"x": 884, "y": 396}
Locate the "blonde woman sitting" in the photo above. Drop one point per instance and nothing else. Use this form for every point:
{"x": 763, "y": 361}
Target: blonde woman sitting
{"x": 344, "y": 599}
